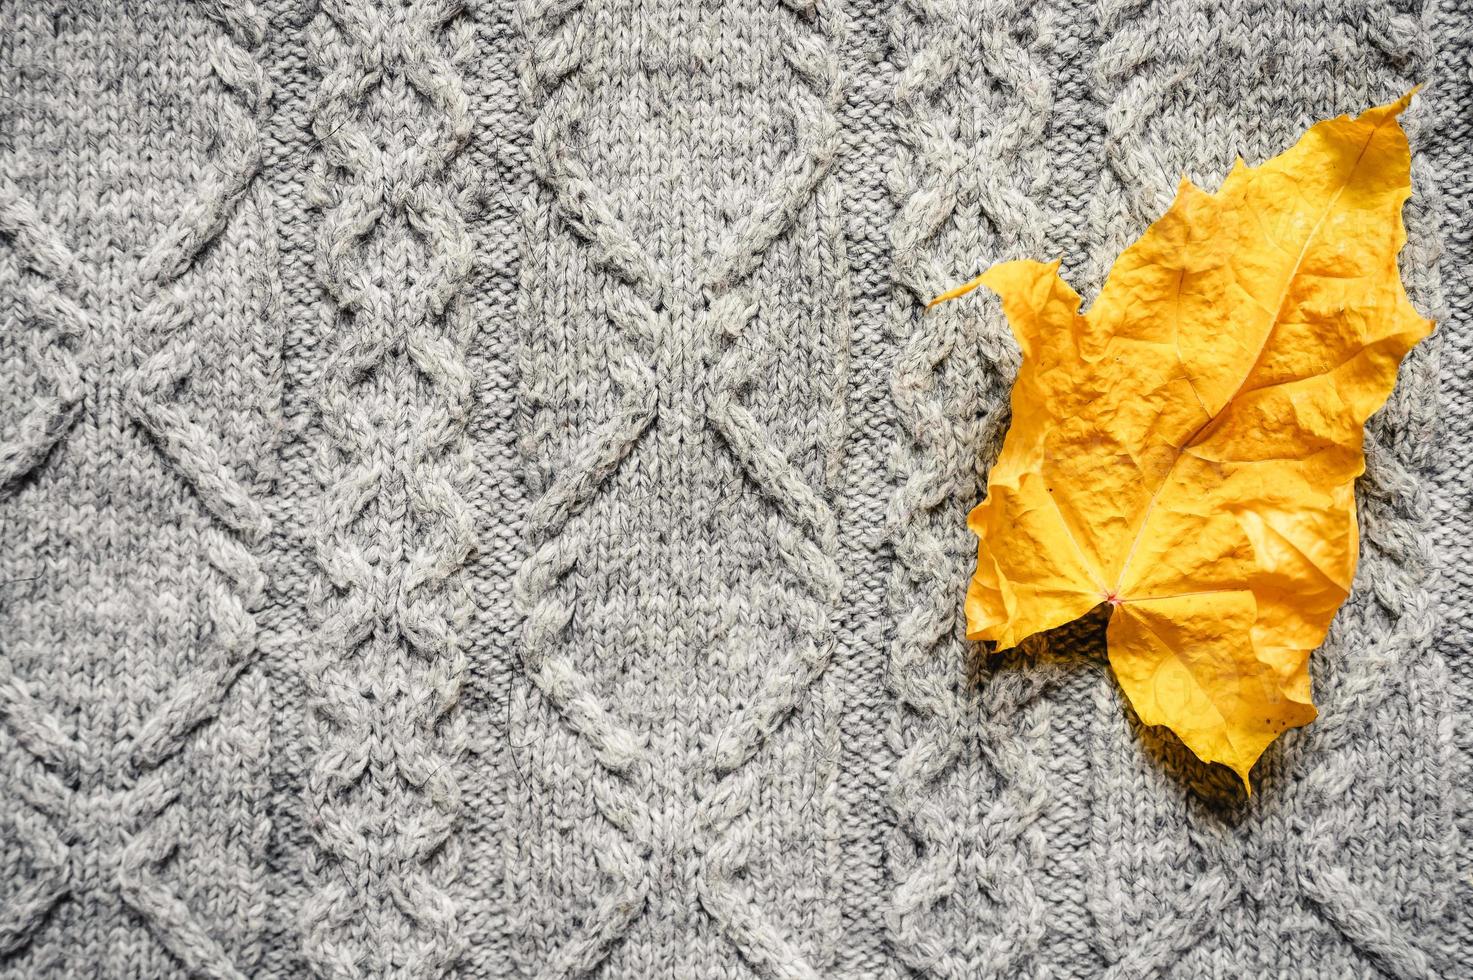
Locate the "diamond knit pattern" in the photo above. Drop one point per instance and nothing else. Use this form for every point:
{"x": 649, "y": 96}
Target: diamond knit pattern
{"x": 481, "y": 497}
{"x": 152, "y": 417}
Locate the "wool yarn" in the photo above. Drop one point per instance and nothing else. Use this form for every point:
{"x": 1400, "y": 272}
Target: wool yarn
{"x": 480, "y": 496}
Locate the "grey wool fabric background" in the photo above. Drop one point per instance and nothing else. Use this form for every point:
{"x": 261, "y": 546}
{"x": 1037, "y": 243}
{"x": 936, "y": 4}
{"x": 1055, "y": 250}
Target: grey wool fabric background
{"x": 480, "y": 497}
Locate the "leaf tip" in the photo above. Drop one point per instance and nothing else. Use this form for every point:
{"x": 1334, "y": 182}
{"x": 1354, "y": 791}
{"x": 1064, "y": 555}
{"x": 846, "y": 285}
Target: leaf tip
{"x": 956, "y": 292}
{"x": 1396, "y": 108}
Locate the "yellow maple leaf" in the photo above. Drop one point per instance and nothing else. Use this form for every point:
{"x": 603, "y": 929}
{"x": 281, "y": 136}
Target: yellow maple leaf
{"x": 1186, "y": 450}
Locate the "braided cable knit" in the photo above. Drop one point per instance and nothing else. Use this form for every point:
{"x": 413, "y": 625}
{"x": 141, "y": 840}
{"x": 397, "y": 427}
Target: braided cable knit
{"x": 23, "y": 714}
{"x": 959, "y": 206}
{"x": 396, "y": 532}
{"x": 60, "y": 322}
{"x": 554, "y": 55}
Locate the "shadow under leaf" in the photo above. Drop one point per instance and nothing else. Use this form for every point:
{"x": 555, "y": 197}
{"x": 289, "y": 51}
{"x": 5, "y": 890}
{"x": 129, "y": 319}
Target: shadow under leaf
{"x": 1081, "y": 645}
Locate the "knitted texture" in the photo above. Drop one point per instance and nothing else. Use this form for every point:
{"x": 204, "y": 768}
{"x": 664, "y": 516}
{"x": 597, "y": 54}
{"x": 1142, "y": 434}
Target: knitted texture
{"x": 480, "y": 497}
{"x": 1451, "y": 137}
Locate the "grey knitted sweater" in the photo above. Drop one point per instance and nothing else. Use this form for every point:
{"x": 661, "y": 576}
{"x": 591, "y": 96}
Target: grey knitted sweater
{"x": 479, "y": 497}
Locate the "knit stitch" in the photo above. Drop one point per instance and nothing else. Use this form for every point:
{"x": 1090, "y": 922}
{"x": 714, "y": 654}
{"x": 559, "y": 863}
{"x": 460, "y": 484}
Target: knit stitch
{"x": 481, "y": 496}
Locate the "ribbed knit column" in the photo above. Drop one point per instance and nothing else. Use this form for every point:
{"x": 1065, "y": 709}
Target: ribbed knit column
{"x": 496, "y": 158}
{"x": 1449, "y": 140}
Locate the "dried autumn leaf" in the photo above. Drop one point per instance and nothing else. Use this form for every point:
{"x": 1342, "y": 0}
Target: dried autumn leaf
{"x": 1186, "y": 451}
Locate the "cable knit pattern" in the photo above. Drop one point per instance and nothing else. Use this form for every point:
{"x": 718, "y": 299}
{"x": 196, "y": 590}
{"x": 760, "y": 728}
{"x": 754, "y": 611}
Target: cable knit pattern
{"x": 965, "y": 901}
{"x": 135, "y": 473}
{"x": 680, "y": 695}
{"x": 395, "y": 531}
{"x": 481, "y": 496}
